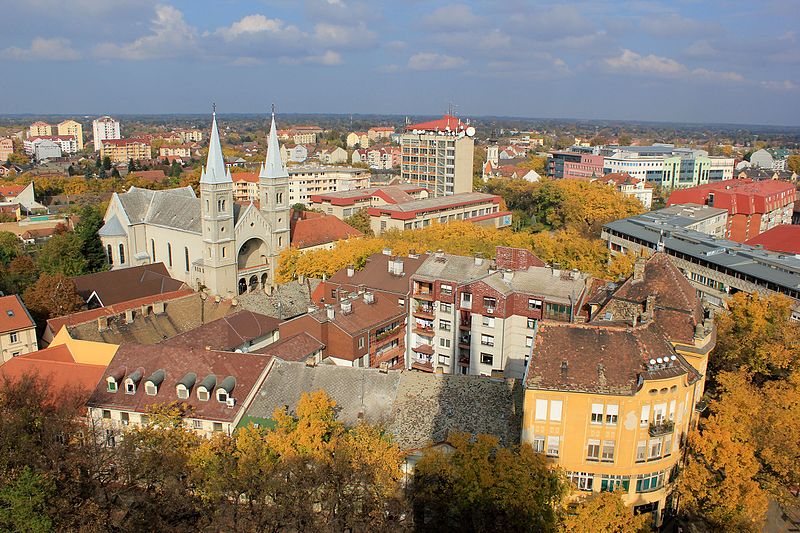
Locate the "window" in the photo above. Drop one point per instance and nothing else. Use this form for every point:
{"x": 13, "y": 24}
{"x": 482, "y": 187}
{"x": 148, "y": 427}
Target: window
{"x": 553, "y": 444}
{"x": 541, "y": 410}
{"x": 446, "y": 290}
{"x": 222, "y": 396}
{"x": 445, "y": 307}
{"x": 612, "y": 413}
{"x": 489, "y": 302}
{"x": 487, "y": 340}
{"x": 608, "y": 451}
{"x": 217, "y": 426}
{"x": 186, "y": 257}
{"x": 169, "y": 254}
{"x": 582, "y": 480}
{"x": 655, "y": 448}
{"x": 641, "y": 451}
{"x": 121, "y": 253}
{"x": 202, "y": 395}
{"x": 531, "y": 323}
{"x": 111, "y": 440}
{"x": 534, "y": 304}
{"x": 125, "y": 418}
{"x": 597, "y": 413}
{"x": 112, "y": 386}
{"x": 667, "y": 445}
{"x": 593, "y": 450}
{"x": 610, "y": 483}
{"x": 555, "y": 410}
{"x": 183, "y": 392}
{"x": 444, "y": 359}
{"x": 538, "y": 443}
{"x": 153, "y": 250}
{"x": 645, "y": 418}
{"x": 487, "y": 358}
{"x": 144, "y": 419}
{"x": 197, "y": 424}
{"x": 361, "y": 342}
{"x": 150, "y": 389}
{"x": 557, "y": 311}
{"x": 672, "y": 410}
{"x": 13, "y": 337}
{"x": 106, "y": 414}
{"x": 649, "y": 482}
{"x": 130, "y": 387}
{"x": 445, "y": 325}
{"x": 466, "y": 299}
{"x": 528, "y": 342}
{"x": 444, "y": 342}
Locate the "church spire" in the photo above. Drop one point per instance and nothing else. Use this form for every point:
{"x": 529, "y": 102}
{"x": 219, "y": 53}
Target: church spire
{"x": 214, "y": 171}
{"x": 273, "y": 166}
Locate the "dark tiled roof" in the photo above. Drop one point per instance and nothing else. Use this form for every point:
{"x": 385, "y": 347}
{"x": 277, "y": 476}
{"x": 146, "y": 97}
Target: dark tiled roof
{"x": 228, "y": 332}
{"x": 115, "y": 286}
{"x": 363, "y": 316}
{"x": 177, "y": 362}
{"x": 295, "y": 348}
{"x": 375, "y": 274}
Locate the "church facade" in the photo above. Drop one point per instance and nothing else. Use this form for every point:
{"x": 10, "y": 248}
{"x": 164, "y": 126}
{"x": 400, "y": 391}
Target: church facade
{"x": 210, "y": 242}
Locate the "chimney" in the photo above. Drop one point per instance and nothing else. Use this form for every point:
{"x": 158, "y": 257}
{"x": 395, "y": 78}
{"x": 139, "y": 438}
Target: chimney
{"x": 508, "y": 275}
{"x": 128, "y": 316}
{"x": 556, "y": 269}
{"x": 638, "y": 269}
{"x": 158, "y": 308}
{"x": 387, "y": 251}
{"x": 350, "y": 271}
{"x": 347, "y": 307}
{"x": 396, "y": 266}
{"x": 478, "y": 259}
{"x": 369, "y": 298}
{"x": 102, "y": 323}
{"x": 439, "y": 254}
{"x": 144, "y": 310}
{"x": 649, "y": 307}
{"x": 330, "y": 312}
{"x": 384, "y": 367}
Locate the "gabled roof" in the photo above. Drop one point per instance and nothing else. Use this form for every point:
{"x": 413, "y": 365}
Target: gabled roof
{"x": 14, "y": 315}
{"x": 57, "y": 365}
{"x": 375, "y": 274}
{"x": 227, "y": 333}
{"x": 115, "y": 286}
{"x": 172, "y": 208}
{"x": 362, "y": 315}
{"x": 295, "y": 348}
{"x": 309, "y": 232}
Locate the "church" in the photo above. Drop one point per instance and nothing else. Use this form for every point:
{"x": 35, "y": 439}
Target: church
{"x": 209, "y": 242}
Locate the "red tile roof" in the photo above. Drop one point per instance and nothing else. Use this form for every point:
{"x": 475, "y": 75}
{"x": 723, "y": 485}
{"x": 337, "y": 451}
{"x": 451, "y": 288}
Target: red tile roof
{"x": 117, "y": 286}
{"x": 11, "y": 190}
{"x": 738, "y": 195}
{"x": 308, "y": 232}
{"x": 124, "y": 142}
{"x": 56, "y": 365}
{"x": 784, "y": 238}
{"x": 295, "y": 348}
{"x": 250, "y": 177}
{"x": 227, "y": 333}
{"x": 14, "y": 315}
{"x": 442, "y": 124}
{"x": 149, "y": 175}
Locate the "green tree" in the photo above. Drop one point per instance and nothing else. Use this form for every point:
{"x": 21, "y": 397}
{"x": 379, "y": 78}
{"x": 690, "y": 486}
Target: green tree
{"x": 793, "y": 163}
{"x": 175, "y": 169}
{"x": 98, "y": 163}
{"x": 623, "y": 139}
{"x": 10, "y": 247}
{"x": 360, "y": 220}
{"x": 107, "y": 163}
{"x": 63, "y": 254}
{"x": 91, "y": 220}
{"x": 24, "y": 503}
{"x": 481, "y": 486}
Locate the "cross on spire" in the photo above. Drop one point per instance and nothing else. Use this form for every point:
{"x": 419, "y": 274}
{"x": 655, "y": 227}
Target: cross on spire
{"x": 273, "y": 109}
{"x": 214, "y": 107}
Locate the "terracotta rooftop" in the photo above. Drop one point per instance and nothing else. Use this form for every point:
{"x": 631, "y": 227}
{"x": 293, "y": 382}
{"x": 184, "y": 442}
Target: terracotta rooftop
{"x": 784, "y": 238}
{"x": 446, "y": 123}
{"x": 149, "y": 175}
{"x": 11, "y": 190}
{"x": 362, "y": 315}
{"x": 315, "y": 231}
{"x": 227, "y": 333}
{"x": 376, "y": 275}
{"x": 56, "y": 365}
{"x": 295, "y": 348}
{"x": 180, "y": 364}
{"x": 14, "y": 315}
{"x": 116, "y": 286}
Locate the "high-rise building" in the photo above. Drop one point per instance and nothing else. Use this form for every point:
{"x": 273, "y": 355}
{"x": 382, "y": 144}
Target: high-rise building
{"x": 104, "y": 128}
{"x": 40, "y": 129}
{"x": 73, "y": 128}
{"x": 438, "y": 155}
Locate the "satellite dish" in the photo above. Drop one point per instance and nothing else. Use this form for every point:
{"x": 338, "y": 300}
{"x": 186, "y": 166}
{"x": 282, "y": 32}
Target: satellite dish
{"x": 652, "y": 361}
{"x": 470, "y": 132}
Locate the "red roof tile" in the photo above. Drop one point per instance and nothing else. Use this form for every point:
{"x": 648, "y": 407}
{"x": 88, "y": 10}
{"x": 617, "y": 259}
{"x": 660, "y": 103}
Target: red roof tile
{"x": 784, "y": 238}
{"x": 57, "y": 365}
{"x": 14, "y": 315}
{"x": 323, "y": 230}
{"x": 295, "y": 348}
{"x": 442, "y": 124}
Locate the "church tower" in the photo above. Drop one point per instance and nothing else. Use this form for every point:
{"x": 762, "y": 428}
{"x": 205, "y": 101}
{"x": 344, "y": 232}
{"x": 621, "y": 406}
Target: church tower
{"x": 216, "y": 199}
{"x": 273, "y": 196}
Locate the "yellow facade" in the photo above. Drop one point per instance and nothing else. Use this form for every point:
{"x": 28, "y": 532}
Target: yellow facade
{"x": 75, "y": 129}
{"x": 121, "y": 151}
{"x": 39, "y": 129}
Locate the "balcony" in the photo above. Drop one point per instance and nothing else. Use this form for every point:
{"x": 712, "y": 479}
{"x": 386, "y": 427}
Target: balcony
{"x": 464, "y": 341}
{"x": 426, "y": 331}
{"x": 388, "y": 333}
{"x": 424, "y": 295}
{"x": 423, "y": 311}
{"x": 465, "y": 324}
{"x": 661, "y": 428}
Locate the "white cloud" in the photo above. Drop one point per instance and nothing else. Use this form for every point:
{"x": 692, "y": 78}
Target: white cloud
{"x": 43, "y": 49}
{"x": 256, "y": 26}
{"x": 630, "y": 61}
{"x": 327, "y": 58}
{"x": 717, "y": 74}
{"x": 433, "y": 61}
{"x": 701, "y": 49}
{"x": 785, "y": 85}
{"x": 170, "y": 36}
{"x": 336, "y": 35}
{"x": 455, "y": 16}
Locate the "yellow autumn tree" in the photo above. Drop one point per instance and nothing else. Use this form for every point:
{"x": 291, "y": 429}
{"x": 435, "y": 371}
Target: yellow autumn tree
{"x": 604, "y": 512}
{"x": 314, "y": 432}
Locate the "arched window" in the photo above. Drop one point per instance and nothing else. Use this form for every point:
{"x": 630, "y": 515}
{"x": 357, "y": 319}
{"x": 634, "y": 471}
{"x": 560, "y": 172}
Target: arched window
{"x": 153, "y": 250}
{"x": 186, "y": 257}
{"x": 121, "y": 254}
{"x": 110, "y": 254}
{"x": 169, "y": 254}
{"x": 280, "y": 241}
{"x": 279, "y": 198}
{"x": 208, "y": 205}
{"x": 223, "y": 205}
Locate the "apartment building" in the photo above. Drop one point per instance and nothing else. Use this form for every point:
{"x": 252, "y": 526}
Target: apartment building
{"x": 438, "y": 155}
{"x": 331, "y": 156}
{"x": 363, "y": 329}
{"x": 181, "y": 150}
{"x": 72, "y": 128}
{"x": 473, "y": 316}
{"x": 190, "y": 136}
{"x": 576, "y": 163}
{"x": 357, "y": 138}
{"x": 104, "y": 128}
{"x": 343, "y": 204}
{"x": 6, "y": 149}
{"x": 753, "y": 206}
{"x": 305, "y": 182}
{"x": 67, "y": 143}
{"x": 630, "y": 186}
{"x": 301, "y": 134}
{"x": 377, "y": 133}
{"x": 123, "y": 150}
{"x": 667, "y": 165}
{"x": 40, "y": 129}
{"x": 46, "y": 149}
{"x": 17, "y": 329}
{"x": 476, "y": 207}
{"x": 611, "y": 401}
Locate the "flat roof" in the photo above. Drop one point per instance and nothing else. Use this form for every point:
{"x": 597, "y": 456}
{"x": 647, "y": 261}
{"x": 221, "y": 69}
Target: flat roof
{"x": 440, "y": 202}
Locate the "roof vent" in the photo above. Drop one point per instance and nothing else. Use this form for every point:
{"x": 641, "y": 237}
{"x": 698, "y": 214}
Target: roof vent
{"x": 10, "y": 312}
{"x": 564, "y": 367}
{"x": 369, "y": 298}
{"x": 351, "y": 270}
{"x": 347, "y": 307}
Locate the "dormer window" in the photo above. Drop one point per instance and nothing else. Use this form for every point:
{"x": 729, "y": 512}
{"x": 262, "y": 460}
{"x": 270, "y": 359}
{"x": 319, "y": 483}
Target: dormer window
{"x": 130, "y": 387}
{"x": 207, "y": 385}
{"x": 111, "y": 384}
{"x": 225, "y": 390}
{"x": 184, "y": 386}
{"x": 202, "y": 394}
{"x": 153, "y": 382}
{"x": 222, "y": 396}
{"x": 132, "y": 381}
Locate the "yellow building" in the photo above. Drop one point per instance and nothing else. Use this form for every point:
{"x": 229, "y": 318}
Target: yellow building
{"x": 75, "y": 129}
{"x": 17, "y": 329}
{"x": 40, "y": 129}
{"x": 611, "y": 400}
{"x": 123, "y": 150}
{"x": 360, "y": 138}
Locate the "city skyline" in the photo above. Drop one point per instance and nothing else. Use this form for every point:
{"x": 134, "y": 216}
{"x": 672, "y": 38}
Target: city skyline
{"x": 719, "y": 62}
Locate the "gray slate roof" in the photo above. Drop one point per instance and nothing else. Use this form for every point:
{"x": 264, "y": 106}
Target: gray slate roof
{"x": 172, "y": 208}
{"x": 288, "y": 299}
{"x": 457, "y": 268}
{"x": 112, "y": 228}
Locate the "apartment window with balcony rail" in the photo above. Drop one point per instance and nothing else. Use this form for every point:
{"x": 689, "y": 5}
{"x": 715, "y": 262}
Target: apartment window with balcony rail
{"x": 487, "y": 340}
{"x": 607, "y": 455}
{"x": 593, "y": 450}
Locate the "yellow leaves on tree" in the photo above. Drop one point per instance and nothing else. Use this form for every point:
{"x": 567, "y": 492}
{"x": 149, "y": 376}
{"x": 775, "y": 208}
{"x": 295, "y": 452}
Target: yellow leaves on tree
{"x": 605, "y": 512}
{"x": 313, "y": 433}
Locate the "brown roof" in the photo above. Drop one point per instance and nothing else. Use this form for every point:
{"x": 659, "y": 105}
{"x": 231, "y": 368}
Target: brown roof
{"x": 375, "y": 274}
{"x": 149, "y": 175}
{"x": 56, "y": 365}
{"x": 177, "y": 362}
{"x": 363, "y": 316}
{"x": 320, "y": 230}
{"x": 14, "y": 315}
{"x": 227, "y": 333}
{"x": 115, "y": 286}
{"x": 295, "y": 348}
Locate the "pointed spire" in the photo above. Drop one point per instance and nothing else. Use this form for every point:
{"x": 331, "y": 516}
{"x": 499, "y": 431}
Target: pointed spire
{"x": 214, "y": 171}
{"x": 273, "y": 164}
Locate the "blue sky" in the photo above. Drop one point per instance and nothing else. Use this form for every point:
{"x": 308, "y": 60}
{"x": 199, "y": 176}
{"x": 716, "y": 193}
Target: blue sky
{"x": 680, "y": 60}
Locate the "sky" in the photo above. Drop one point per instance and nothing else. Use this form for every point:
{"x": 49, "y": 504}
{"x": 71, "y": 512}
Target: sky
{"x": 727, "y": 61}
